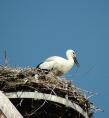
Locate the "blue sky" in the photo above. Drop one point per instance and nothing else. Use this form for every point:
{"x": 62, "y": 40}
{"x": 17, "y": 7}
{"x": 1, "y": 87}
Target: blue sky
{"x": 32, "y": 30}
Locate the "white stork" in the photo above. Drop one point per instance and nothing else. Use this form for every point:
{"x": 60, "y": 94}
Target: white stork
{"x": 60, "y": 65}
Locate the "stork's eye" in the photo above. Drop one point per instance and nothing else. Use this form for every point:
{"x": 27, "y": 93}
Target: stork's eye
{"x": 73, "y": 53}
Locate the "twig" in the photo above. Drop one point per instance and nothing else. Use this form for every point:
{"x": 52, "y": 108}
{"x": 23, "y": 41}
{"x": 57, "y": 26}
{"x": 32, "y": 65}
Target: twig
{"x": 5, "y": 58}
{"x": 20, "y": 103}
{"x": 36, "y": 109}
{"x": 91, "y": 95}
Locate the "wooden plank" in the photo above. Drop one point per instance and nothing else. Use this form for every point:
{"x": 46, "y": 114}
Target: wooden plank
{"x": 43, "y": 96}
{"x": 8, "y": 108}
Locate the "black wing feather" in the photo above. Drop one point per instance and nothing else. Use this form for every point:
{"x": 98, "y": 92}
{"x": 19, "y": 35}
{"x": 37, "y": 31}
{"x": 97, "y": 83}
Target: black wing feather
{"x": 39, "y": 65}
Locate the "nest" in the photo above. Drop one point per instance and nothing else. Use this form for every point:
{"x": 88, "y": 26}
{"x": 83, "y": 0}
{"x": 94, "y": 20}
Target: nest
{"x": 33, "y": 79}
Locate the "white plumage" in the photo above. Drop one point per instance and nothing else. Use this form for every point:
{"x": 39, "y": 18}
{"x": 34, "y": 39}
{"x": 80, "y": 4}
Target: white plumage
{"x": 58, "y": 64}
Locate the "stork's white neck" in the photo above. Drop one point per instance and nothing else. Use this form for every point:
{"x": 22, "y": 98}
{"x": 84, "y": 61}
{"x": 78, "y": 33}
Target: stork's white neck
{"x": 69, "y": 63}
{"x": 70, "y": 60}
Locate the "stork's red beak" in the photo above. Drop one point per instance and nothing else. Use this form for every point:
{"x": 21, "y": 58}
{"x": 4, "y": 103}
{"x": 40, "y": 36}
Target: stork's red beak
{"x": 76, "y": 61}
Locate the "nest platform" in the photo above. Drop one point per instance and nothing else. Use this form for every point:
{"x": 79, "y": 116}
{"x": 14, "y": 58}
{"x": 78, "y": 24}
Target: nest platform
{"x": 39, "y": 95}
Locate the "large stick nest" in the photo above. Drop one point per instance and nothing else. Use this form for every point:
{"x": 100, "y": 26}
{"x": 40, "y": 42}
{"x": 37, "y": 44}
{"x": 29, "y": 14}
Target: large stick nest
{"x": 32, "y": 79}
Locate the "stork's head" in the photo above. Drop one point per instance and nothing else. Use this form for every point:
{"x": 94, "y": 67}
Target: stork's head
{"x": 71, "y": 53}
